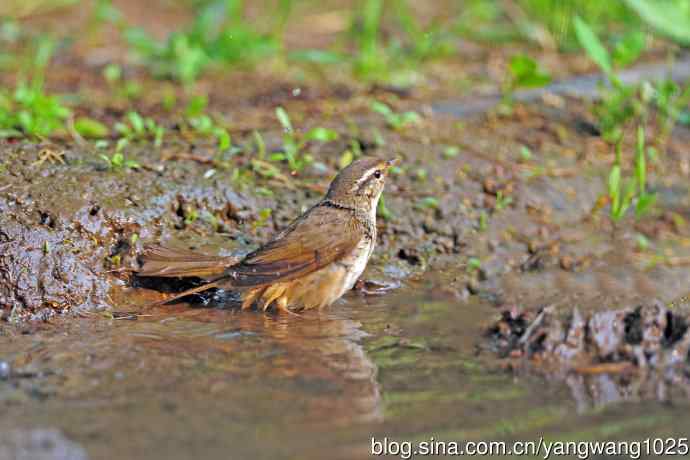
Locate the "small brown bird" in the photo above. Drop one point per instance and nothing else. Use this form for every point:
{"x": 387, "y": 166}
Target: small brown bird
{"x": 310, "y": 264}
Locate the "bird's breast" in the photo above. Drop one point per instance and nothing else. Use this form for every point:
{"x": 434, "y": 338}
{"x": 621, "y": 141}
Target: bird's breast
{"x": 355, "y": 262}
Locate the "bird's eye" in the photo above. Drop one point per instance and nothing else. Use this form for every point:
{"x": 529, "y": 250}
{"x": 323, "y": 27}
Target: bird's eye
{"x": 377, "y": 174}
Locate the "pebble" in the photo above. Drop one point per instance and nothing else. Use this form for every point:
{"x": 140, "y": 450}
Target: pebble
{"x": 5, "y": 370}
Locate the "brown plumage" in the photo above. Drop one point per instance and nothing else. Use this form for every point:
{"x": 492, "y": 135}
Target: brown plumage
{"x": 165, "y": 262}
{"x": 311, "y": 263}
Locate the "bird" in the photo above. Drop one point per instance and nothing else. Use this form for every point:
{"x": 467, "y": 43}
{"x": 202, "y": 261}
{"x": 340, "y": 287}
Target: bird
{"x": 310, "y": 264}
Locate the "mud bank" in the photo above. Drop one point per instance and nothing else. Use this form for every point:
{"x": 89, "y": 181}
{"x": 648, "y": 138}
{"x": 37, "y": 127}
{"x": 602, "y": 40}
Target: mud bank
{"x": 66, "y": 223}
{"x": 69, "y": 225}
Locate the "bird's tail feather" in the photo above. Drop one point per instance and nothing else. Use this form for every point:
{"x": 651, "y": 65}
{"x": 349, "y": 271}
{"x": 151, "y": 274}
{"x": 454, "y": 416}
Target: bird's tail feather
{"x": 179, "y": 295}
{"x": 160, "y": 261}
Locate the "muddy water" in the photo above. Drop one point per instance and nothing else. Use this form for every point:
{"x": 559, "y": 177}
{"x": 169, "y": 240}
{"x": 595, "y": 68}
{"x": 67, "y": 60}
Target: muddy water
{"x": 181, "y": 382}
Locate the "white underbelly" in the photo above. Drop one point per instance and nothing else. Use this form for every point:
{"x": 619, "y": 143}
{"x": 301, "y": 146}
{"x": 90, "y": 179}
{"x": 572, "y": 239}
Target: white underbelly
{"x": 357, "y": 262}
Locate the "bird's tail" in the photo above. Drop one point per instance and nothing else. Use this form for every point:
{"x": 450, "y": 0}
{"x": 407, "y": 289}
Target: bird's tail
{"x": 179, "y": 295}
{"x": 159, "y": 261}
{"x": 164, "y": 262}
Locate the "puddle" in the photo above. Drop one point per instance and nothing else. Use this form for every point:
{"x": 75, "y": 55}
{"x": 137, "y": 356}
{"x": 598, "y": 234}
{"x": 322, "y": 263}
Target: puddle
{"x": 217, "y": 383}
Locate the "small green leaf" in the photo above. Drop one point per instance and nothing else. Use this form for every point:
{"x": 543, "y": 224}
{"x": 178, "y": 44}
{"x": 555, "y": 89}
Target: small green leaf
{"x": 284, "y": 119}
{"x": 260, "y": 145}
{"x": 642, "y": 242}
{"x": 640, "y": 160}
{"x": 321, "y": 134}
{"x": 383, "y": 211}
{"x": 224, "y": 140}
{"x": 121, "y": 144}
{"x": 90, "y": 128}
{"x": 429, "y": 202}
{"x": 112, "y": 73}
{"x": 381, "y": 108}
{"x": 644, "y": 203}
{"x": 614, "y": 181}
{"x": 409, "y": 118}
{"x": 473, "y": 264}
{"x": 131, "y": 164}
{"x": 668, "y": 17}
{"x": 592, "y": 45}
{"x": 483, "y": 221}
{"x": 137, "y": 122}
{"x": 451, "y": 151}
{"x": 526, "y": 73}
{"x": 525, "y": 153}
{"x": 196, "y": 106}
{"x": 158, "y": 133}
{"x": 117, "y": 160}
{"x": 628, "y": 49}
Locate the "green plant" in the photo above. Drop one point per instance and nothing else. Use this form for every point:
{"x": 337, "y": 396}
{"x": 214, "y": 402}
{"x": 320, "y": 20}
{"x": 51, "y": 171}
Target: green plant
{"x": 619, "y": 103}
{"x": 622, "y": 103}
{"x": 373, "y": 55}
{"x": 525, "y": 154}
{"x": 382, "y": 211}
{"x": 428, "y": 202}
{"x": 473, "y": 264}
{"x": 451, "y": 151}
{"x": 90, "y": 128}
{"x": 395, "y": 120}
{"x": 136, "y": 127}
{"x": 624, "y": 192}
{"x": 548, "y": 23}
{"x": 670, "y": 17}
{"x": 375, "y": 59}
{"x": 671, "y": 102}
{"x": 117, "y": 161}
{"x": 645, "y": 199}
{"x": 621, "y": 193}
{"x": 525, "y": 73}
{"x": 483, "y": 221}
{"x": 369, "y": 58}
{"x": 124, "y": 89}
{"x": 203, "y": 124}
{"x": 218, "y": 34}
{"x": 502, "y": 201}
{"x": 262, "y": 221}
{"x": 28, "y": 110}
{"x": 294, "y": 143}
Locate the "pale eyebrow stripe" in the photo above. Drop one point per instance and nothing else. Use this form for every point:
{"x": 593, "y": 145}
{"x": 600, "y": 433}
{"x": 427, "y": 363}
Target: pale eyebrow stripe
{"x": 365, "y": 177}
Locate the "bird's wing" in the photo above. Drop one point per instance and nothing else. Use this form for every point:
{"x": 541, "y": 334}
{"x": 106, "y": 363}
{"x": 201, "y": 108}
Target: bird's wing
{"x": 322, "y": 236}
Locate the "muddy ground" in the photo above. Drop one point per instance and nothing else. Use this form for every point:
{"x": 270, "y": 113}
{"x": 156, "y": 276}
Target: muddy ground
{"x": 71, "y": 227}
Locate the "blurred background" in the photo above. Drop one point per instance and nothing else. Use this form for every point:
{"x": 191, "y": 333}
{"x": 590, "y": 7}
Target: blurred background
{"x": 438, "y": 48}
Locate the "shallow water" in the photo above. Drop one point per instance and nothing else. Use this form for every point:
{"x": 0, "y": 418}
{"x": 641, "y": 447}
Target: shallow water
{"x": 213, "y": 383}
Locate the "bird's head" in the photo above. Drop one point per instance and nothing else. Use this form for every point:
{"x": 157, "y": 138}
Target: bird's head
{"x": 360, "y": 183}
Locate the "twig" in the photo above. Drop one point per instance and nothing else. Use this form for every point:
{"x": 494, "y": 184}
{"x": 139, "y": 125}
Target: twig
{"x": 535, "y": 324}
{"x": 606, "y": 368}
{"x": 74, "y": 133}
{"x": 191, "y": 157}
